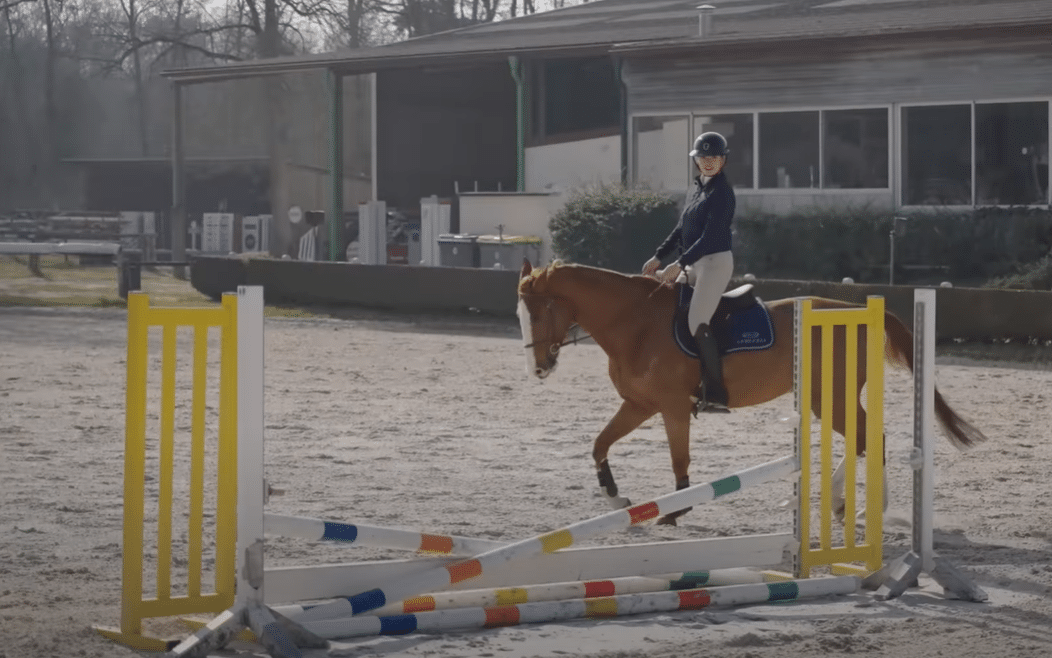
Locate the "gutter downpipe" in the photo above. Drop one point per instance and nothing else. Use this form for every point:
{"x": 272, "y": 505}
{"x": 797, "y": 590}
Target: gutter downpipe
{"x": 520, "y": 122}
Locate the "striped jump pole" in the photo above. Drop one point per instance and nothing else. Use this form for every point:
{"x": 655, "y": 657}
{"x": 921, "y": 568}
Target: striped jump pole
{"x": 358, "y": 534}
{"x": 553, "y": 611}
{"x": 441, "y": 578}
{"x": 497, "y": 596}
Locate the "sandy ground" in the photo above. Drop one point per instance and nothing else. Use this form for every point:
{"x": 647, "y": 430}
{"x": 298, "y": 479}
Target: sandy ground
{"x": 430, "y": 423}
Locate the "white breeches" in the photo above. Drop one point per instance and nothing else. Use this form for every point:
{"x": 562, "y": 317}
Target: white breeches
{"x": 709, "y": 278}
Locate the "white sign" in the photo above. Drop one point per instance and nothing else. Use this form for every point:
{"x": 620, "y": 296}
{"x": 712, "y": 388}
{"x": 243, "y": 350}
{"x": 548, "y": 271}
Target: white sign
{"x": 295, "y": 214}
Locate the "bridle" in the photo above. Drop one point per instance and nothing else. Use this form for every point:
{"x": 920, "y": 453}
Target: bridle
{"x": 553, "y": 349}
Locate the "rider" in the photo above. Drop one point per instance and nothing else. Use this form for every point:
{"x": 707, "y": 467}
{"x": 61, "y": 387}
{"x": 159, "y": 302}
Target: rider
{"x": 703, "y": 237}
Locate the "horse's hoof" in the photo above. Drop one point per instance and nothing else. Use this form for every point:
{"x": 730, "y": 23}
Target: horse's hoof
{"x": 618, "y": 502}
{"x": 670, "y": 518}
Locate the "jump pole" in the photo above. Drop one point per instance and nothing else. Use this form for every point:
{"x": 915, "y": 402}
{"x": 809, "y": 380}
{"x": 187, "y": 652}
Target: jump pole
{"x": 497, "y": 596}
{"x": 900, "y": 574}
{"x": 443, "y": 577}
{"x": 552, "y": 611}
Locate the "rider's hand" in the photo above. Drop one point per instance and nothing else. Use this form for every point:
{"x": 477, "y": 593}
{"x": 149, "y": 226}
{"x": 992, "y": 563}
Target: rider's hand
{"x": 651, "y": 266}
{"x": 670, "y": 273}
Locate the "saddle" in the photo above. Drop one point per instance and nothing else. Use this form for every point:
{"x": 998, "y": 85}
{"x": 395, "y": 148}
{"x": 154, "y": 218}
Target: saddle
{"x": 741, "y": 321}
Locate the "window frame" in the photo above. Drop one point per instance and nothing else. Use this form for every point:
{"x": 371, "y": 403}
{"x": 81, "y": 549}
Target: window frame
{"x": 898, "y": 156}
{"x": 694, "y": 114}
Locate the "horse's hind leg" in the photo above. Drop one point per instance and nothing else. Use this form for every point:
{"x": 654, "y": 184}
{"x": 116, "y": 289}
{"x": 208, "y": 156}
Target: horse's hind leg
{"x": 628, "y": 417}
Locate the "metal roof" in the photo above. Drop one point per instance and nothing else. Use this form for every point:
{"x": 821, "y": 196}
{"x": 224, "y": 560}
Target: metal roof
{"x": 637, "y": 25}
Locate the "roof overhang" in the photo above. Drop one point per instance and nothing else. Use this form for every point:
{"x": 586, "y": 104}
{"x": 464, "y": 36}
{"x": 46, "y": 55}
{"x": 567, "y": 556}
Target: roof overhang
{"x": 372, "y": 60}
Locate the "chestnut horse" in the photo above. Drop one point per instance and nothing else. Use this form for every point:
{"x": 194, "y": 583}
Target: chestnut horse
{"x": 630, "y": 318}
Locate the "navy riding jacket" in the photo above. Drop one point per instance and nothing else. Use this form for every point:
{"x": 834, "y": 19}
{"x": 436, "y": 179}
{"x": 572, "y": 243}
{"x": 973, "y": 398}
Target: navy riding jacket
{"x": 705, "y": 226}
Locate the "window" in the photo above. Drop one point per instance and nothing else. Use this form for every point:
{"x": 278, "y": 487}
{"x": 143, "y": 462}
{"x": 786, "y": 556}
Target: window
{"x": 737, "y": 128}
{"x": 660, "y": 149}
{"x": 1011, "y": 153}
{"x": 855, "y": 148}
{"x": 789, "y": 149}
{"x": 937, "y": 155}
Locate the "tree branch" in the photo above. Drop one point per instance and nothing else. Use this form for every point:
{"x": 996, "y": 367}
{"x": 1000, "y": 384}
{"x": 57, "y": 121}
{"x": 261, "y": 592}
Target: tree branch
{"x": 11, "y": 4}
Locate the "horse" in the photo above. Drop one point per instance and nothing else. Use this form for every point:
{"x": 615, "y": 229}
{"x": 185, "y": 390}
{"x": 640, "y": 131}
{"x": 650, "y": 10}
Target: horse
{"x": 631, "y": 317}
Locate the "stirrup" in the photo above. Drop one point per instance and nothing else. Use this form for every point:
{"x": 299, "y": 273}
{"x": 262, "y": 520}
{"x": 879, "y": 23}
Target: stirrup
{"x": 701, "y": 405}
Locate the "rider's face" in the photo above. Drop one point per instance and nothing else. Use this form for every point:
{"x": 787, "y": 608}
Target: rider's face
{"x": 710, "y": 165}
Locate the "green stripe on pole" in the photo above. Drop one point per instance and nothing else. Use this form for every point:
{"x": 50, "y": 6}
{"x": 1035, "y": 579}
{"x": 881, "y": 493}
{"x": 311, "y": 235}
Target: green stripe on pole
{"x": 726, "y": 486}
{"x": 787, "y": 591}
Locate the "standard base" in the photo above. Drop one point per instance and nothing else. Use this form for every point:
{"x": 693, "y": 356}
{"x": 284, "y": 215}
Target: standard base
{"x": 901, "y": 574}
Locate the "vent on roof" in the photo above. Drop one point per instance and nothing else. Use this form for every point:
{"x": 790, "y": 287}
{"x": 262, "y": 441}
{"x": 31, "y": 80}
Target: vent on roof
{"x": 705, "y": 20}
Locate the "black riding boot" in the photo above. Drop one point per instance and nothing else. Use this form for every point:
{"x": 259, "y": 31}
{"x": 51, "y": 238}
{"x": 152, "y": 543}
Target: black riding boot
{"x": 711, "y": 395}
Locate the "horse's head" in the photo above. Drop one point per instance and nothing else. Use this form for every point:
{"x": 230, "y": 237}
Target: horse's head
{"x": 545, "y": 320}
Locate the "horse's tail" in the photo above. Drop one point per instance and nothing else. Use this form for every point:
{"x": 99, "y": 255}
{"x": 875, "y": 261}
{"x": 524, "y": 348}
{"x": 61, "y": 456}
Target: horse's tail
{"x": 898, "y": 350}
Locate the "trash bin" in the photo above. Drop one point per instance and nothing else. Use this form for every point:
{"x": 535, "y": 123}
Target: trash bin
{"x": 506, "y": 252}
{"x": 458, "y": 250}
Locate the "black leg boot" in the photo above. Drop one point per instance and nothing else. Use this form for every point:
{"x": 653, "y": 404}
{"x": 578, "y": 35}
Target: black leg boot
{"x": 711, "y": 395}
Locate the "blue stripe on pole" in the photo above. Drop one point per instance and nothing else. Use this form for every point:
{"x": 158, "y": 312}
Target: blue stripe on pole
{"x": 397, "y": 624}
{"x": 689, "y": 580}
{"x": 726, "y": 485}
{"x": 340, "y": 532}
{"x": 366, "y": 601}
{"x": 789, "y": 591}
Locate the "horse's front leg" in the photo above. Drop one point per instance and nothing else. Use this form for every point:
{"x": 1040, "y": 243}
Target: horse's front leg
{"x": 677, "y": 430}
{"x": 630, "y": 416}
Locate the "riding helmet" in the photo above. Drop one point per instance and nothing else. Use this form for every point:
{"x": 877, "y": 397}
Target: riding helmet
{"x": 709, "y": 144}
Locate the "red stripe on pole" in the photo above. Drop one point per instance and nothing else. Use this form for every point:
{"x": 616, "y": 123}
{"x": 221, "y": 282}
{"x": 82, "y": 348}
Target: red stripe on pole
{"x": 464, "y": 571}
{"x": 644, "y": 512}
{"x": 694, "y": 599}
{"x": 599, "y": 588}
{"x": 436, "y": 544}
{"x": 502, "y": 616}
{"x": 418, "y": 604}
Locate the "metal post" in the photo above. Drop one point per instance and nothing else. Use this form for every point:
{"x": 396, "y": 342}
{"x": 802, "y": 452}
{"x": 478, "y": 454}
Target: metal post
{"x": 335, "y": 83}
{"x": 923, "y": 425}
{"x": 178, "y": 211}
{"x": 518, "y": 74}
{"x": 891, "y": 264}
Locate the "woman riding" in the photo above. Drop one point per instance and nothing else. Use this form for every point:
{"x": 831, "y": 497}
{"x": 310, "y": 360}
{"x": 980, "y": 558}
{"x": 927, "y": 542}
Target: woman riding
{"x": 703, "y": 238}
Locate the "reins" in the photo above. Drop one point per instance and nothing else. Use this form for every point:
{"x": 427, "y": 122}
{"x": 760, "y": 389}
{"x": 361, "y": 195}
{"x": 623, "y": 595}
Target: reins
{"x": 574, "y": 329}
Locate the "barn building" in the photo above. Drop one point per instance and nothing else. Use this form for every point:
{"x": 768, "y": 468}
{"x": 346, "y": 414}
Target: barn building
{"x": 891, "y": 103}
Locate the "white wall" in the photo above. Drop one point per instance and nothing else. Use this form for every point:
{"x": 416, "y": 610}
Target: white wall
{"x": 557, "y": 167}
{"x": 520, "y": 214}
{"x": 661, "y": 156}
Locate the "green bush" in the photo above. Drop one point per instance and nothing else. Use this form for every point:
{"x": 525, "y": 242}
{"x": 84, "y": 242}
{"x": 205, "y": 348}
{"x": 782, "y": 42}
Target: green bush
{"x": 820, "y": 243}
{"x": 1035, "y": 276}
{"x": 612, "y": 226}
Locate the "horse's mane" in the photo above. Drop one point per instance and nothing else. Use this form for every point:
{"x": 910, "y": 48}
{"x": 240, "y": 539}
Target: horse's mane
{"x": 542, "y": 280}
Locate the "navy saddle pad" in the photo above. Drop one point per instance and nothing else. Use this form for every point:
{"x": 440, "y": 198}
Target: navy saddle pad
{"x": 741, "y": 323}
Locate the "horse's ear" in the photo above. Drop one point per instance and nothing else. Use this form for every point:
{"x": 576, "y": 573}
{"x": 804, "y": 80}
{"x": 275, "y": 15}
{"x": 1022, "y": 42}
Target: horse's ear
{"x": 526, "y": 268}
